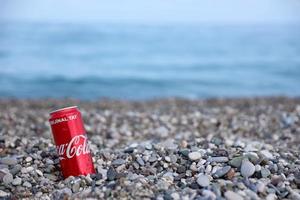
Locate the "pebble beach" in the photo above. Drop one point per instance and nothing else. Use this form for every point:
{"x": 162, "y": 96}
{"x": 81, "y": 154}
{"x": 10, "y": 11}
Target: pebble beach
{"x": 158, "y": 149}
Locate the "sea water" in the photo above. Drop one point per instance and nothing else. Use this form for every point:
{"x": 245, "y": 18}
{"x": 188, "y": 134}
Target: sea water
{"x": 90, "y": 61}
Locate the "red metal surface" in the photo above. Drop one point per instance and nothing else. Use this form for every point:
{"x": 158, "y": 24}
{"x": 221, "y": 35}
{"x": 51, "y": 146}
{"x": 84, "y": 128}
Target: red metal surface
{"x": 71, "y": 142}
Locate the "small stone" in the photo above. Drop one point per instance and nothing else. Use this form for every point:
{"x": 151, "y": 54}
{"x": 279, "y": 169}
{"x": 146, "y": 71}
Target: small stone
{"x": 267, "y": 154}
{"x": 168, "y": 177}
{"x": 129, "y": 150}
{"x": 265, "y": 173}
{"x": 230, "y": 195}
{"x": 253, "y": 157}
{"x": 208, "y": 194}
{"x": 184, "y": 152}
{"x": 169, "y": 144}
{"x": 3, "y": 194}
{"x": 140, "y": 161}
{"x": 257, "y": 168}
{"x": 271, "y": 197}
{"x": 167, "y": 158}
{"x": 17, "y": 181}
{"x": 97, "y": 176}
{"x": 276, "y": 179}
{"x": 28, "y": 159}
{"x": 29, "y": 169}
{"x": 208, "y": 169}
{"x": 39, "y": 172}
{"x": 162, "y": 131}
{"x": 194, "y": 155}
{"x": 217, "y": 159}
{"x": 76, "y": 186}
{"x": 8, "y": 178}
{"x": 236, "y": 161}
{"x": 51, "y": 177}
{"x": 221, "y": 172}
{"x": 175, "y": 196}
{"x": 9, "y": 161}
{"x": 297, "y": 177}
{"x": 152, "y": 159}
{"x": 181, "y": 169}
{"x": 119, "y": 162}
{"x": 16, "y": 169}
{"x": 216, "y": 140}
{"x": 27, "y": 184}
{"x": 230, "y": 174}
{"x": 203, "y": 180}
{"x": 295, "y": 195}
{"x": 261, "y": 187}
{"x": 111, "y": 174}
{"x": 247, "y": 168}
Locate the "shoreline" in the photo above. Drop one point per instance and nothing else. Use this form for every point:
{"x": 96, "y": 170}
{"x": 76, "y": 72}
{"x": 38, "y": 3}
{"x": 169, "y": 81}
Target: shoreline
{"x": 142, "y": 149}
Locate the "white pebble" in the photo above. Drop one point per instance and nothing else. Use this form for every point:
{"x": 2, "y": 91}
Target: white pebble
{"x": 17, "y": 181}
{"x": 203, "y": 180}
{"x": 230, "y": 195}
{"x": 3, "y": 194}
{"x": 194, "y": 155}
{"x": 267, "y": 154}
{"x": 247, "y": 168}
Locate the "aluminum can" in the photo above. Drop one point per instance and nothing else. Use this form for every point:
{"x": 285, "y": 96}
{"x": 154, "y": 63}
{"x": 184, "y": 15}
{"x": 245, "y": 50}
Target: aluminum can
{"x": 71, "y": 142}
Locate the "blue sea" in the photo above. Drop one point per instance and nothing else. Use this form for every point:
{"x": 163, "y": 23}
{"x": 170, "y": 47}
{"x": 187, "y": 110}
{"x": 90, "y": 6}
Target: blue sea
{"x": 91, "y": 61}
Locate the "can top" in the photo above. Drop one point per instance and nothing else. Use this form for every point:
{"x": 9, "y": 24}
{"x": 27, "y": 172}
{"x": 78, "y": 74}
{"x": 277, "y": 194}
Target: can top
{"x": 62, "y": 109}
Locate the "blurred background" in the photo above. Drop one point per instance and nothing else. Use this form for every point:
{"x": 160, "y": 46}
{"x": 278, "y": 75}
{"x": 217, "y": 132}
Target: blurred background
{"x": 149, "y": 49}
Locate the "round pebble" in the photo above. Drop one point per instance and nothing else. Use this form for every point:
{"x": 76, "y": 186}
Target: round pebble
{"x": 230, "y": 195}
{"x": 194, "y": 156}
{"x": 17, "y": 181}
{"x": 7, "y": 178}
{"x": 203, "y": 180}
{"x": 247, "y": 168}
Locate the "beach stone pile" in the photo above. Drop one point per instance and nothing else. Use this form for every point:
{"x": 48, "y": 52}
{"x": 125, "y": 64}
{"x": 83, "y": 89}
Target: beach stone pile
{"x": 163, "y": 149}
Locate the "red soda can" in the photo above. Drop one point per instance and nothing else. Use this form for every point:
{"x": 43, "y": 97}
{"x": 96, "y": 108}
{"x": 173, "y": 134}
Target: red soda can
{"x": 71, "y": 142}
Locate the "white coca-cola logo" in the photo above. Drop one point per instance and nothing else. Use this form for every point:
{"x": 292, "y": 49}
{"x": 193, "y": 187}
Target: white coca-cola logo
{"x": 74, "y": 148}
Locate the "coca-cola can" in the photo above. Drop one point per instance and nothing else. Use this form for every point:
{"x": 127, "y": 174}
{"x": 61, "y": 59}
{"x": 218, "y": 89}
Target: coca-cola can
{"x": 71, "y": 142}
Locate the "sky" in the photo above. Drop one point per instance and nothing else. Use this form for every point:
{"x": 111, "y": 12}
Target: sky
{"x": 154, "y": 11}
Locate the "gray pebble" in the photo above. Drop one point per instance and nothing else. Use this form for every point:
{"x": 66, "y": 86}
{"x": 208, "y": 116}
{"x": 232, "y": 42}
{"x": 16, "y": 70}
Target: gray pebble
{"x": 119, "y": 162}
{"x": 253, "y": 157}
{"x": 267, "y": 154}
{"x": 140, "y": 161}
{"x": 17, "y": 181}
{"x": 152, "y": 159}
{"x": 221, "y": 172}
{"x": 16, "y": 169}
{"x": 194, "y": 155}
{"x": 217, "y": 159}
{"x": 203, "y": 180}
{"x": 9, "y": 161}
{"x": 76, "y": 186}
{"x": 39, "y": 172}
{"x": 230, "y": 195}
{"x": 3, "y": 194}
{"x": 265, "y": 172}
{"x": 8, "y": 178}
{"x": 236, "y": 161}
{"x": 247, "y": 168}
{"x": 111, "y": 174}
{"x": 51, "y": 177}
{"x": 27, "y": 184}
